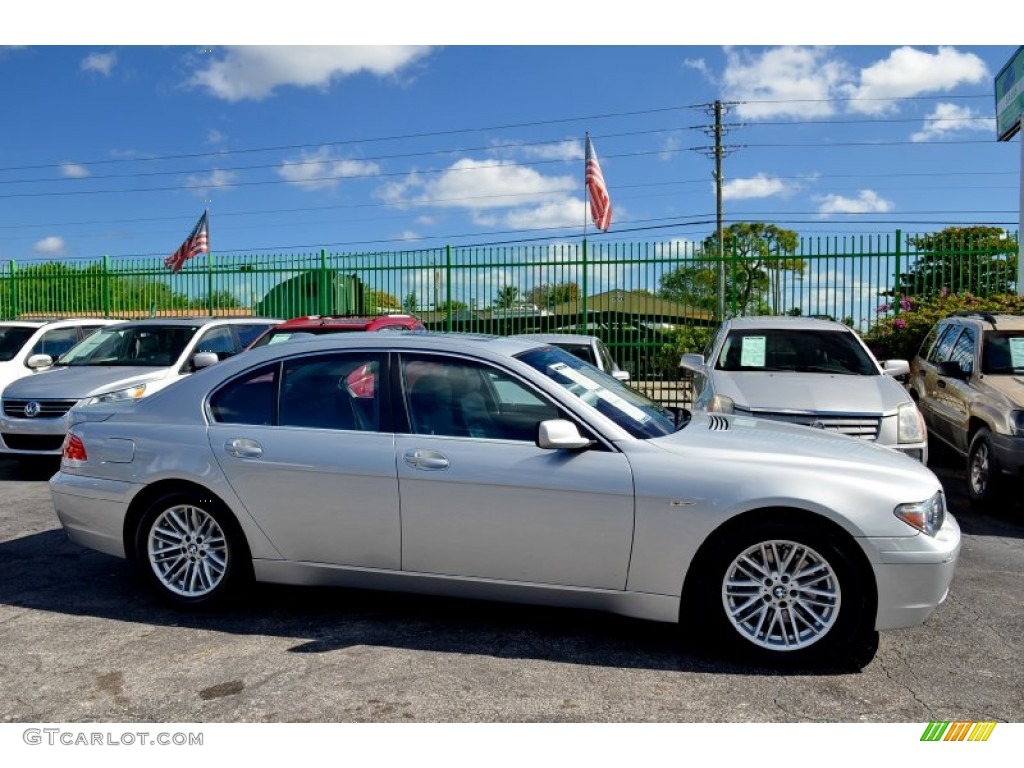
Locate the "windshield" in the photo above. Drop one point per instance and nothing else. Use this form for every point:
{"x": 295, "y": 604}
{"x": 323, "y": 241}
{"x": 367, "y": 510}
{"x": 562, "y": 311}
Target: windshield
{"x": 1003, "y": 352}
{"x": 12, "y": 339}
{"x": 634, "y": 412}
{"x": 150, "y": 345}
{"x": 790, "y": 349}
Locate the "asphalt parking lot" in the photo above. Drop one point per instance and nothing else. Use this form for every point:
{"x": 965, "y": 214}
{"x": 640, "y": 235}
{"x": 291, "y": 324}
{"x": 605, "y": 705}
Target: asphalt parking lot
{"x": 81, "y": 641}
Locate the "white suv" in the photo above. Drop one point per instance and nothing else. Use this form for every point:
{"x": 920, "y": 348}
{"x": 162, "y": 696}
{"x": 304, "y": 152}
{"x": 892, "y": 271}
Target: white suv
{"x": 21, "y": 341}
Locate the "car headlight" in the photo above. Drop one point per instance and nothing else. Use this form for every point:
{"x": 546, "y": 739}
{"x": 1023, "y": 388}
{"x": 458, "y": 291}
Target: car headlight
{"x": 722, "y": 404}
{"x": 926, "y": 516}
{"x": 119, "y": 395}
{"x": 911, "y": 427}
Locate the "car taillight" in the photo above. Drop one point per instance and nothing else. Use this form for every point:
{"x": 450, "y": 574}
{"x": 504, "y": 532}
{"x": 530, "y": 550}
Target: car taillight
{"x": 74, "y": 449}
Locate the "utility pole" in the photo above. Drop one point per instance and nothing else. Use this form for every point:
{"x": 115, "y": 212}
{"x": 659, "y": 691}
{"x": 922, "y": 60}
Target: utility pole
{"x": 718, "y": 152}
{"x": 720, "y": 305}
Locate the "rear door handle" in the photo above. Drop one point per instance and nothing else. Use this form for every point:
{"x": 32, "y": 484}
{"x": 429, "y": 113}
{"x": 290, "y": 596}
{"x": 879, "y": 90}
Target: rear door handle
{"x": 243, "y": 448}
{"x": 428, "y": 460}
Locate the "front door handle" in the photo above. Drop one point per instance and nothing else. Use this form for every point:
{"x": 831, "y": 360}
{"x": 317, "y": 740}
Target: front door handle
{"x": 243, "y": 448}
{"x": 424, "y": 459}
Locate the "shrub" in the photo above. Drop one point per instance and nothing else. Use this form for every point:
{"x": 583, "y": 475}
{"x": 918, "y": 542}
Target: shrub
{"x": 689, "y": 338}
{"x": 898, "y": 334}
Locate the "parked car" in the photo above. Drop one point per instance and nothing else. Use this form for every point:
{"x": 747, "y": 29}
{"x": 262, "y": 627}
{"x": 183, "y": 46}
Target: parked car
{"x": 22, "y": 342}
{"x": 315, "y": 325}
{"x": 589, "y": 348}
{"x": 966, "y": 379}
{"x": 808, "y": 371}
{"x": 123, "y": 361}
{"x": 505, "y": 469}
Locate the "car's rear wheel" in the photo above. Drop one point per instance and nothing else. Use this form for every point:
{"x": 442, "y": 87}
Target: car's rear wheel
{"x": 984, "y": 475}
{"x": 191, "y": 551}
{"x": 789, "y": 595}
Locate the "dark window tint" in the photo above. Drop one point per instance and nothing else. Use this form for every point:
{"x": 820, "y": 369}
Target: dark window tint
{"x": 12, "y": 339}
{"x": 337, "y": 391}
{"x": 941, "y": 351}
{"x": 220, "y": 341}
{"x": 247, "y": 334}
{"x": 963, "y": 351}
{"x": 56, "y": 342}
{"x": 248, "y": 399}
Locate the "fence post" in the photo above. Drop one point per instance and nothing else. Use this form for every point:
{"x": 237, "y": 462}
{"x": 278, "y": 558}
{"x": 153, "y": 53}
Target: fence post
{"x": 448, "y": 286}
{"x": 321, "y": 294}
{"x": 209, "y": 281}
{"x": 14, "y": 290}
{"x": 899, "y": 245}
{"x": 583, "y": 290}
{"x": 106, "y": 285}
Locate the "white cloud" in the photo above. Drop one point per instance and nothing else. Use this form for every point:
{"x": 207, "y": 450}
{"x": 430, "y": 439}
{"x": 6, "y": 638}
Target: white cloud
{"x": 100, "y": 62}
{"x": 480, "y": 185}
{"x": 570, "y": 149}
{"x": 319, "y": 170}
{"x": 253, "y": 72}
{"x": 756, "y": 187}
{"x": 947, "y": 119}
{"x": 867, "y": 201}
{"x": 789, "y": 81}
{"x": 213, "y": 136}
{"x": 560, "y": 213}
{"x": 202, "y": 185}
{"x": 50, "y": 246}
{"x": 74, "y": 170}
{"x": 908, "y": 72}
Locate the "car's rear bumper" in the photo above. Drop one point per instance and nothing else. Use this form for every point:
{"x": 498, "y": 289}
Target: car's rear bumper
{"x": 92, "y": 511}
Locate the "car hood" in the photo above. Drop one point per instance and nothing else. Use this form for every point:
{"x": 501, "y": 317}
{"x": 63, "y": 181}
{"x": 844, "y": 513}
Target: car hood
{"x": 739, "y": 441}
{"x": 804, "y": 392}
{"x": 1011, "y": 387}
{"x": 76, "y": 382}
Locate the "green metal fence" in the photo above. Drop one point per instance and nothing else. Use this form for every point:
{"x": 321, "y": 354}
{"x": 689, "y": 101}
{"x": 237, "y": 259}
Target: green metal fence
{"x": 646, "y": 300}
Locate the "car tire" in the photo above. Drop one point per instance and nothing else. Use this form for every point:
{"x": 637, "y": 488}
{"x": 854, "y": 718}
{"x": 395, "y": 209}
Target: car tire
{"x": 191, "y": 551}
{"x": 985, "y": 482}
{"x": 788, "y": 595}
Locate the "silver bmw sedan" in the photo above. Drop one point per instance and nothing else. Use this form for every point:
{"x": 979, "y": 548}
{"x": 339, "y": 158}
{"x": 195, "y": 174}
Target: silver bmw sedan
{"x": 508, "y": 469}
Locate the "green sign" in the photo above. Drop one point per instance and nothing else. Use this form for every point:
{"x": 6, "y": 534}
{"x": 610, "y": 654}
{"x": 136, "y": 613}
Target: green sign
{"x": 1010, "y": 96}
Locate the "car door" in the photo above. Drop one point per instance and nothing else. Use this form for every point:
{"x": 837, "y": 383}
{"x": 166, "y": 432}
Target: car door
{"x": 941, "y": 411}
{"x": 480, "y": 499}
{"x": 953, "y": 402}
{"x": 309, "y": 451}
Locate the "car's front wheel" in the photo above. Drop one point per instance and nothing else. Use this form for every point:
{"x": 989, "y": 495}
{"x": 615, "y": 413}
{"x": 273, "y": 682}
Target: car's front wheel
{"x": 984, "y": 475}
{"x": 789, "y": 595}
{"x": 191, "y": 551}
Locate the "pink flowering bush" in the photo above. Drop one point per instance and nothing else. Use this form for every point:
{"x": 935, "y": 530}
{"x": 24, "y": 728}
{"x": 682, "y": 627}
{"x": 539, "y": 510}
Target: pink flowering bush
{"x": 899, "y": 335}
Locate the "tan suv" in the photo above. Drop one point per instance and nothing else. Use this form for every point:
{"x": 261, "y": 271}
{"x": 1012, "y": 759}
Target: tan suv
{"x": 967, "y": 381}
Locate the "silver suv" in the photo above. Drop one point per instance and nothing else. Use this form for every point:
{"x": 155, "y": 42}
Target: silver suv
{"x": 967, "y": 381}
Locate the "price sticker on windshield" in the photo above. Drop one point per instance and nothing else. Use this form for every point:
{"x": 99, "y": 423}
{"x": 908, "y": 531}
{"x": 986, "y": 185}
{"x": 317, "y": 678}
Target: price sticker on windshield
{"x": 752, "y": 353}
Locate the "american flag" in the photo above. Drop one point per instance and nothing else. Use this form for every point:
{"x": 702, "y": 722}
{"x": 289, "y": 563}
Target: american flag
{"x": 600, "y": 203}
{"x": 196, "y": 243}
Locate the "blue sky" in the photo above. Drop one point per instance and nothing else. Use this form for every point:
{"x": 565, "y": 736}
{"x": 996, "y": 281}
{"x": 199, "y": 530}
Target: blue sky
{"x": 117, "y": 149}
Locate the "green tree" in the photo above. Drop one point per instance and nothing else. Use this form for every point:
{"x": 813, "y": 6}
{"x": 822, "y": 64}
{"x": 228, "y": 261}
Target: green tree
{"x": 978, "y": 260}
{"x": 378, "y": 301}
{"x": 756, "y": 254}
{"x": 411, "y": 303}
{"x": 547, "y": 296}
{"x": 506, "y": 297}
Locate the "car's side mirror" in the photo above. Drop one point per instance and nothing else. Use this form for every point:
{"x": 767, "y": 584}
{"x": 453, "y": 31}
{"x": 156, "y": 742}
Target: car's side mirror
{"x": 896, "y": 368}
{"x": 39, "y": 361}
{"x": 952, "y": 369}
{"x": 559, "y": 434}
{"x": 692, "y": 362}
{"x": 204, "y": 360}
{"x": 621, "y": 375}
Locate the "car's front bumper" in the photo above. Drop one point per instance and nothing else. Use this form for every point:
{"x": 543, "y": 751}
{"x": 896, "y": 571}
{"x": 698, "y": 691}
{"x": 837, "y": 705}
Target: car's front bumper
{"x": 1009, "y": 452}
{"x": 913, "y": 574}
{"x": 32, "y": 437}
